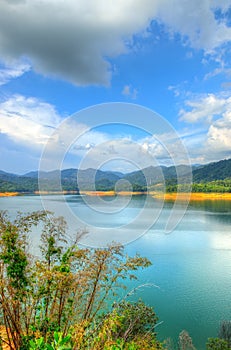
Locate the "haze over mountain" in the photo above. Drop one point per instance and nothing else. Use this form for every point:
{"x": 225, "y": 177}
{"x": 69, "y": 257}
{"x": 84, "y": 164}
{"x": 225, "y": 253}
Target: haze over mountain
{"x": 92, "y": 179}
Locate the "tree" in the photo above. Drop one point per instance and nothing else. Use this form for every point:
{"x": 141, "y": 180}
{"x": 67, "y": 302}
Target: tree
{"x": 60, "y": 296}
{"x": 185, "y": 341}
{"x": 225, "y": 331}
{"x": 217, "y": 344}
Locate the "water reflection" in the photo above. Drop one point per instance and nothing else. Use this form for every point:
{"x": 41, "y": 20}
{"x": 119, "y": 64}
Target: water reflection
{"x": 221, "y": 241}
{"x": 217, "y": 206}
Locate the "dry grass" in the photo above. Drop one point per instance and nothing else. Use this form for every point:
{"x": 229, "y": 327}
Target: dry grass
{"x": 192, "y": 196}
{"x": 8, "y": 194}
{"x": 3, "y": 336}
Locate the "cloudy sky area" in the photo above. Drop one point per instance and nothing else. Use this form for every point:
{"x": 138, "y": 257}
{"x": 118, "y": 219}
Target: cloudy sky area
{"x": 59, "y": 57}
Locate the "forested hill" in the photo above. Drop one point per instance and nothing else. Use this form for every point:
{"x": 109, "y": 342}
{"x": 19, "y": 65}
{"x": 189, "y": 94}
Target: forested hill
{"x": 213, "y": 171}
{"x": 215, "y": 175}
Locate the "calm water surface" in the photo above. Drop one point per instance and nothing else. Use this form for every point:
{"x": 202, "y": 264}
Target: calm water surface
{"x": 191, "y": 266}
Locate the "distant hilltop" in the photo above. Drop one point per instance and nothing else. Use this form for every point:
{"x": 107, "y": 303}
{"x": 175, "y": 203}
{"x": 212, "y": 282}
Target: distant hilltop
{"x": 210, "y": 177}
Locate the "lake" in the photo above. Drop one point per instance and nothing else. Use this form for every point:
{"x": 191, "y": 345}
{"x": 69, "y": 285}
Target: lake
{"x": 191, "y": 267}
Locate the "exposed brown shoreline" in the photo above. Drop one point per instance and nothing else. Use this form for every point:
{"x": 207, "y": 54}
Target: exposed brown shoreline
{"x": 8, "y": 194}
{"x": 194, "y": 196}
{"x": 181, "y": 196}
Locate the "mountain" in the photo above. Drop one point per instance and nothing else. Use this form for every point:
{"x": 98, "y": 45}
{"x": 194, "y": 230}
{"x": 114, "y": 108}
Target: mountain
{"x": 213, "y": 171}
{"x": 42, "y": 174}
{"x": 155, "y": 175}
{"x": 8, "y": 176}
{"x": 89, "y": 179}
{"x": 92, "y": 179}
{"x": 16, "y": 183}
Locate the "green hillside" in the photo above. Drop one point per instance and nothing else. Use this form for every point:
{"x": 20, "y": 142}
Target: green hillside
{"x": 213, "y": 171}
{"x": 212, "y": 177}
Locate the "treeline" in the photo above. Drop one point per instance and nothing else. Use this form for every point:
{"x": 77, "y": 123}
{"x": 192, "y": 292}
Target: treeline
{"x": 213, "y": 177}
{"x": 29, "y": 185}
{"x": 217, "y": 186}
{"x": 24, "y": 185}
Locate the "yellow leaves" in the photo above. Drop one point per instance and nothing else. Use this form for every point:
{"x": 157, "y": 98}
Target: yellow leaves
{"x": 67, "y": 288}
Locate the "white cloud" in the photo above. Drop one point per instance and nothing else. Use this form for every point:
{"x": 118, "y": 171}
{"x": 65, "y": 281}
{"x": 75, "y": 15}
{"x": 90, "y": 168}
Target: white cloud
{"x": 129, "y": 91}
{"x": 71, "y": 39}
{"x": 195, "y": 21}
{"x": 204, "y": 108}
{"x": 88, "y": 140}
{"x": 219, "y": 134}
{"x": 217, "y": 71}
{"x": 12, "y": 71}
{"x": 74, "y": 39}
{"x": 221, "y": 59}
{"x": 166, "y": 148}
{"x": 31, "y": 124}
{"x": 117, "y": 151}
{"x": 213, "y": 142}
{"x": 175, "y": 89}
{"x": 27, "y": 121}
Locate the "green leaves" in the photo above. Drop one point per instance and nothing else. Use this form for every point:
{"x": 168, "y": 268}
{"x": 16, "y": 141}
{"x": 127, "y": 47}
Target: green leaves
{"x": 59, "y": 343}
{"x": 55, "y": 302}
{"x": 217, "y": 344}
{"x": 37, "y": 344}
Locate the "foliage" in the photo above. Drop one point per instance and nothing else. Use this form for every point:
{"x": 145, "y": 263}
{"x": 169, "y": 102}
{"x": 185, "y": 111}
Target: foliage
{"x": 136, "y": 319}
{"x": 213, "y": 171}
{"x": 56, "y": 301}
{"x": 225, "y": 331}
{"x": 59, "y": 343}
{"x": 185, "y": 341}
{"x": 217, "y": 344}
{"x": 218, "y": 186}
{"x": 213, "y": 177}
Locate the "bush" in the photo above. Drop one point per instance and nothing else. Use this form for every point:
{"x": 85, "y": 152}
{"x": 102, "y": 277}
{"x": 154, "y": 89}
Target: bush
{"x": 57, "y": 299}
{"x": 217, "y": 344}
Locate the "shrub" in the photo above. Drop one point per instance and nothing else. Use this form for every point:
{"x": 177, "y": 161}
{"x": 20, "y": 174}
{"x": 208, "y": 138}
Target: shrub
{"x": 56, "y": 300}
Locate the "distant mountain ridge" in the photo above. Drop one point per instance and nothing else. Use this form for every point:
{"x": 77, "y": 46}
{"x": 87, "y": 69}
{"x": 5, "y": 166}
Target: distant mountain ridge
{"x": 91, "y": 179}
{"x": 213, "y": 171}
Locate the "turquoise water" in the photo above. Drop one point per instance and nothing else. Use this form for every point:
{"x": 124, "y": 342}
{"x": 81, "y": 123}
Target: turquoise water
{"x": 191, "y": 267}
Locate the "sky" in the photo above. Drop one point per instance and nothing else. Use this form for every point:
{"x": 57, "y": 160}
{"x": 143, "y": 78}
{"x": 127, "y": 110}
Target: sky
{"x": 65, "y": 67}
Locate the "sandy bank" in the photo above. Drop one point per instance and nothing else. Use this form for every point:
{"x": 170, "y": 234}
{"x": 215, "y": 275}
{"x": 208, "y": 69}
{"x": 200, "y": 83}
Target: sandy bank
{"x": 111, "y": 193}
{"x": 194, "y": 196}
{"x": 8, "y": 194}
{"x": 182, "y": 196}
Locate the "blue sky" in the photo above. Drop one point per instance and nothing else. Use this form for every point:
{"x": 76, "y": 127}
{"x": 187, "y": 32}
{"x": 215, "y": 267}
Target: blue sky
{"x": 59, "y": 57}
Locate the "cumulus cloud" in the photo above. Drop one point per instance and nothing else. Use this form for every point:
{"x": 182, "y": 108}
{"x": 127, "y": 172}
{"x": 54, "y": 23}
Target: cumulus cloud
{"x": 219, "y": 133}
{"x": 25, "y": 126}
{"x": 33, "y": 123}
{"x": 213, "y": 142}
{"x": 204, "y": 109}
{"x": 70, "y": 39}
{"x": 75, "y": 40}
{"x": 28, "y": 121}
{"x": 196, "y": 22}
{"x": 110, "y": 155}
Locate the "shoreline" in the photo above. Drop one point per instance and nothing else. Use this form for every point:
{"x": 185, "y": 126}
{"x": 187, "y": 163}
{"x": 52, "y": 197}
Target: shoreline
{"x": 193, "y": 196}
{"x": 180, "y": 196}
{"x": 9, "y": 194}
